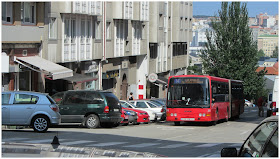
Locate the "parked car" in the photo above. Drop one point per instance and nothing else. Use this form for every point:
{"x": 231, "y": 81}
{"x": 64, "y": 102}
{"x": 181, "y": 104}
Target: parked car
{"x": 90, "y": 108}
{"x": 132, "y": 117}
{"x": 142, "y": 116}
{"x": 262, "y": 142}
{"x": 37, "y": 110}
{"x": 162, "y": 103}
{"x": 151, "y": 114}
{"x": 146, "y": 104}
{"x": 125, "y": 117}
{"x": 248, "y": 103}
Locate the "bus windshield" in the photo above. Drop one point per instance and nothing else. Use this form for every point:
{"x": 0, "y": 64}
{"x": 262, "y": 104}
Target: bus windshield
{"x": 188, "y": 92}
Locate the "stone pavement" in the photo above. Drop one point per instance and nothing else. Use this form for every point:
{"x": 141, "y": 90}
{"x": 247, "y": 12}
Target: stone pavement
{"x": 23, "y": 150}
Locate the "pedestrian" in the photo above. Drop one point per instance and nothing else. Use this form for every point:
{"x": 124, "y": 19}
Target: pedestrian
{"x": 260, "y": 105}
{"x": 130, "y": 97}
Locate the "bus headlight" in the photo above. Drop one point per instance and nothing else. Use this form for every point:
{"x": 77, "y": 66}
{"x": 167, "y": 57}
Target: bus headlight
{"x": 200, "y": 115}
{"x": 175, "y": 114}
{"x": 204, "y": 115}
{"x": 171, "y": 114}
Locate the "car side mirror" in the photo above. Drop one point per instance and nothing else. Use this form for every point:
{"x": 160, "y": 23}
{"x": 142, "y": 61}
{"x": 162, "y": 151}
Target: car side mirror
{"x": 229, "y": 152}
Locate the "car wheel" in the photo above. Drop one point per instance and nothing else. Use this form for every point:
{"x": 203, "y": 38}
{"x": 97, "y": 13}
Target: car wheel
{"x": 125, "y": 124}
{"x": 92, "y": 121}
{"x": 40, "y": 123}
{"x": 135, "y": 123}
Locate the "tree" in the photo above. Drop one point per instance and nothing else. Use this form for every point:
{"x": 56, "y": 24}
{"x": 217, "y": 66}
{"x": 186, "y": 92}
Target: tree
{"x": 232, "y": 53}
{"x": 275, "y": 53}
{"x": 194, "y": 69}
{"x": 260, "y": 53}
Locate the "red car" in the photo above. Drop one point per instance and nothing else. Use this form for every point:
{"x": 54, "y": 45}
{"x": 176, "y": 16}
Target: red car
{"x": 125, "y": 118}
{"x": 143, "y": 116}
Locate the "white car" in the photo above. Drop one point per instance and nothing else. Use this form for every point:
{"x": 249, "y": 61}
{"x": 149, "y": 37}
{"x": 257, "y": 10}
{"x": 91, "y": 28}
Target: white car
{"x": 148, "y": 105}
{"x": 151, "y": 113}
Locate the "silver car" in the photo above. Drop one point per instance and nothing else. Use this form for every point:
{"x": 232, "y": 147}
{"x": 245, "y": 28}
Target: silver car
{"x": 37, "y": 110}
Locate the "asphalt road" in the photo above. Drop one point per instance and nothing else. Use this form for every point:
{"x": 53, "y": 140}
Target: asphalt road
{"x": 186, "y": 140}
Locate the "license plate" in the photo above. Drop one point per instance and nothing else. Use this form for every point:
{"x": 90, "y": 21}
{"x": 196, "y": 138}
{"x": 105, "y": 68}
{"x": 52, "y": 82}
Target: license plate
{"x": 188, "y": 119}
{"x": 116, "y": 110}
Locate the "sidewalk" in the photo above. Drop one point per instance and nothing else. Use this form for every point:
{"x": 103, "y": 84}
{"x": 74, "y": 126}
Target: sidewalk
{"x": 23, "y": 150}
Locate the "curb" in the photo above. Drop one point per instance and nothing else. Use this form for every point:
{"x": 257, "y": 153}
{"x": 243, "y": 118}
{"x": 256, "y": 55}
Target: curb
{"x": 49, "y": 150}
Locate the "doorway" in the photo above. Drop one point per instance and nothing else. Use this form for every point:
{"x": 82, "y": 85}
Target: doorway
{"x": 124, "y": 88}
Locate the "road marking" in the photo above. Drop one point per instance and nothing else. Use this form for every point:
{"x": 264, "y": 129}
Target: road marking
{"x": 108, "y": 144}
{"x": 244, "y": 132}
{"x": 39, "y": 141}
{"x": 208, "y": 145}
{"x": 142, "y": 145}
{"x": 174, "y": 146}
{"x": 15, "y": 139}
{"x": 205, "y": 155}
{"x": 76, "y": 142}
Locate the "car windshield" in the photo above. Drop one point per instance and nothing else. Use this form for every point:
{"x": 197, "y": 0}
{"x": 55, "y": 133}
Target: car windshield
{"x": 188, "y": 92}
{"x": 125, "y": 105}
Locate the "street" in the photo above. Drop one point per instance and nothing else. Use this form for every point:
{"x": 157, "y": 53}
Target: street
{"x": 163, "y": 138}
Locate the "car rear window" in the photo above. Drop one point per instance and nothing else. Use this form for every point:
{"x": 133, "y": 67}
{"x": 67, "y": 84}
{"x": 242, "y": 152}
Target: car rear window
{"x": 50, "y": 99}
{"x": 112, "y": 100}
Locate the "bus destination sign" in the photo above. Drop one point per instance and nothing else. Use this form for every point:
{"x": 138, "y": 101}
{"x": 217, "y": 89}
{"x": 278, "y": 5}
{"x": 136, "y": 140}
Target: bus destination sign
{"x": 188, "y": 81}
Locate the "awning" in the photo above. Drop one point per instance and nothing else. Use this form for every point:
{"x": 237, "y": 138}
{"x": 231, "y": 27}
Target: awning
{"x": 38, "y": 64}
{"x": 80, "y": 78}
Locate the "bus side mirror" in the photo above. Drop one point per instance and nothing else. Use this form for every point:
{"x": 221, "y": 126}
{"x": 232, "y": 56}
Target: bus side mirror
{"x": 229, "y": 152}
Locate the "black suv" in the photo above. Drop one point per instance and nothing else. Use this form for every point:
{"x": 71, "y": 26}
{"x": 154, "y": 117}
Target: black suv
{"x": 91, "y": 108}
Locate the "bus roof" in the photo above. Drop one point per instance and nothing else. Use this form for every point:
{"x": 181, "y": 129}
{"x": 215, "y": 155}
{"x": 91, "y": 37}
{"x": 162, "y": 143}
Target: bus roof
{"x": 206, "y": 76}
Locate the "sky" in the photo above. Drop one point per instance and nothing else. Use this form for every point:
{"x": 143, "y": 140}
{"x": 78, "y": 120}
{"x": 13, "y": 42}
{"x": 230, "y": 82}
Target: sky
{"x": 254, "y": 7}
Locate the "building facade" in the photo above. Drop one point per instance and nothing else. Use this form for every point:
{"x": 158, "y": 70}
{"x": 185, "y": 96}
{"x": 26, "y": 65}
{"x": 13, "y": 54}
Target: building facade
{"x": 107, "y": 45}
{"x": 267, "y": 43}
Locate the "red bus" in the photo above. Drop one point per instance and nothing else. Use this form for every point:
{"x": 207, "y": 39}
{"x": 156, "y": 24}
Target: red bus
{"x": 203, "y": 98}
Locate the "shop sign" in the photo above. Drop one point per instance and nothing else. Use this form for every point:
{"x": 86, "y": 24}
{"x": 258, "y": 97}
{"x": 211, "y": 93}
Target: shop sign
{"x": 111, "y": 74}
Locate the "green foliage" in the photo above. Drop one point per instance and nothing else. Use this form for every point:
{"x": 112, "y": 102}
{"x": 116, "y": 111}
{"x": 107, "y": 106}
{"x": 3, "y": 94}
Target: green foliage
{"x": 193, "y": 70}
{"x": 275, "y": 53}
{"x": 260, "y": 53}
{"x": 230, "y": 51}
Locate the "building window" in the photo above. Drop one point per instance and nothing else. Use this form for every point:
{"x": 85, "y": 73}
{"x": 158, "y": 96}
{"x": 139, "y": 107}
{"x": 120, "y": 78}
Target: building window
{"x": 128, "y": 10}
{"x": 153, "y": 50}
{"x": 7, "y": 12}
{"x": 179, "y": 49}
{"x": 144, "y": 16}
{"x": 137, "y": 36}
{"x": 120, "y": 36}
{"x": 28, "y": 12}
{"x": 97, "y": 30}
{"x": 108, "y": 33}
{"x": 181, "y": 23}
{"x": 73, "y": 30}
{"x": 53, "y": 28}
